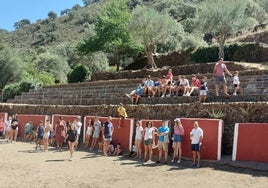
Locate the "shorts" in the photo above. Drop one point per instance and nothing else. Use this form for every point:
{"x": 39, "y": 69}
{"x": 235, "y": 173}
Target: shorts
{"x": 46, "y": 135}
{"x": 203, "y": 92}
{"x": 235, "y": 85}
{"x": 162, "y": 145}
{"x": 107, "y": 139}
{"x": 96, "y": 134}
{"x": 220, "y": 80}
{"x": 148, "y": 142}
{"x": 177, "y": 138}
{"x": 195, "y": 147}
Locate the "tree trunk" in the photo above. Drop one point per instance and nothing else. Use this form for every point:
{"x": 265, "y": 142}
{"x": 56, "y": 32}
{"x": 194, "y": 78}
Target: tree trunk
{"x": 150, "y": 57}
{"x": 117, "y": 54}
{"x": 221, "y": 41}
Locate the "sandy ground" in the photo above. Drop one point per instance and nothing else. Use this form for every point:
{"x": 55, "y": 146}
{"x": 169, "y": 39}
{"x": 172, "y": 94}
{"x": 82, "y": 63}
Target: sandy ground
{"x": 23, "y": 166}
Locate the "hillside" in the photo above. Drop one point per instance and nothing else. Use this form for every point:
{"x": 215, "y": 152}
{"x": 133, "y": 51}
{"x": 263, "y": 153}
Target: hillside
{"x": 70, "y": 27}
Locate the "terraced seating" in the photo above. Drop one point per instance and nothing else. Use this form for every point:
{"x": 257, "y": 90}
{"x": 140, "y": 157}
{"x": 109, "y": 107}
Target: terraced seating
{"x": 253, "y": 88}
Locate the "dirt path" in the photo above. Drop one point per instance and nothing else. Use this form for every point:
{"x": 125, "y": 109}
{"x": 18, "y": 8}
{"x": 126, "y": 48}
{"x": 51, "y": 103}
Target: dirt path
{"x": 22, "y": 166}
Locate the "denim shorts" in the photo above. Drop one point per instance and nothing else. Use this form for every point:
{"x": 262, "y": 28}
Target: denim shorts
{"x": 177, "y": 138}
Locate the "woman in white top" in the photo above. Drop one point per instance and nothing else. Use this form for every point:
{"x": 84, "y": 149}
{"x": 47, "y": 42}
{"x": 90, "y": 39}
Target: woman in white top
{"x": 138, "y": 138}
{"x": 46, "y": 134}
{"x": 148, "y": 140}
{"x": 96, "y": 133}
{"x": 89, "y": 132}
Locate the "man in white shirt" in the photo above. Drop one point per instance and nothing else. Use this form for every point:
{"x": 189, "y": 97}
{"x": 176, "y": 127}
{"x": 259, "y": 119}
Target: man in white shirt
{"x": 196, "y": 136}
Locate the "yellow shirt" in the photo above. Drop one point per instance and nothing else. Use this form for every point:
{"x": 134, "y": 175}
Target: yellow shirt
{"x": 122, "y": 111}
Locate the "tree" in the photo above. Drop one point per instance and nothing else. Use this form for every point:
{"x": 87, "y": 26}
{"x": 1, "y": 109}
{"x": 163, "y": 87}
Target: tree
{"x": 112, "y": 35}
{"x": 22, "y": 23}
{"x": 150, "y": 28}
{"x": 221, "y": 19}
{"x": 9, "y": 66}
{"x": 54, "y": 64}
{"x": 79, "y": 74}
{"x": 52, "y": 15}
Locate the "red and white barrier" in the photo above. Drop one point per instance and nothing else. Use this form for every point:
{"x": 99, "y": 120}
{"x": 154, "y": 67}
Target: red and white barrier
{"x": 250, "y": 142}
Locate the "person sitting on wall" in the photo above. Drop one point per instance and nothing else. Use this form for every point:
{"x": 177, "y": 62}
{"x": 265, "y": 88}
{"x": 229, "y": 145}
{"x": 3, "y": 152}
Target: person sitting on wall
{"x": 195, "y": 85}
{"x": 135, "y": 95}
{"x": 148, "y": 87}
{"x": 121, "y": 113}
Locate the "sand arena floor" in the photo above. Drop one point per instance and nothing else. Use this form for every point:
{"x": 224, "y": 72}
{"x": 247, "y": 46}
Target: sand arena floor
{"x": 23, "y": 166}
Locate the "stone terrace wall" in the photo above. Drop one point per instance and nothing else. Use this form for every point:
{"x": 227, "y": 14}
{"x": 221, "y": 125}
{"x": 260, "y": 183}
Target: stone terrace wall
{"x": 231, "y": 113}
{"x": 177, "y": 70}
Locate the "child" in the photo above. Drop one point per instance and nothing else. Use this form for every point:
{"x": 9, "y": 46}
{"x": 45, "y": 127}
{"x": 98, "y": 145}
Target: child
{"x": 236, "y": 82}
{"x": 122, "y": 113}
{"x": 118, "y": 150}
{"x": 89, "y": 132}
{"x": 203, "y": 89}
{"x": 40, "y": 134}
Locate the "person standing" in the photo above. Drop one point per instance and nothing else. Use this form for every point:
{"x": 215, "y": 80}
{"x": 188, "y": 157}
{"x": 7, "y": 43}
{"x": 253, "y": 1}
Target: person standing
{"x": 177, "y": 139}
{"x": 89, "y": 132}
{"x": 236, "y": 82}
{"x": 46, "y": 134}
{"x": 71, "y": 137}
{"x": 138, "y": 138}
{"x": 163, "y": 140}
{"x": 96, "y": 134}
{"x": 14, "y": 128}
{"x": 219, "y": 75}
{"x": 148, "y": 140}
{"x": 8, "y": 129}
{"x": 196, "y": 136}
{"x": 121, "y": 113}
{"x": 40, "y": 134}
{"x": 77, "y": 125}
{"x": 108, "y": 130}
{"x": 60, "y": 133}
{"x": 203, "y": 89}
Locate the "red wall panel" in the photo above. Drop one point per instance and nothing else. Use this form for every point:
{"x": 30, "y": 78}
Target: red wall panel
{"x": 25, "y": 118}
{"x": 250, "y": 142}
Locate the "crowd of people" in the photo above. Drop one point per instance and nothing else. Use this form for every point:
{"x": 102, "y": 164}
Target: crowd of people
{"x": 147, "y": 137}
{"x": 170, "y": 86}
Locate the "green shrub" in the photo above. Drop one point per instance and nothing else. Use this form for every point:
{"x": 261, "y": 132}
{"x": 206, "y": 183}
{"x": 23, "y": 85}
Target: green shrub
{"x": 79, "y": 74}
{"x": 249, "y": 52}
{"x": 11, "y": 90}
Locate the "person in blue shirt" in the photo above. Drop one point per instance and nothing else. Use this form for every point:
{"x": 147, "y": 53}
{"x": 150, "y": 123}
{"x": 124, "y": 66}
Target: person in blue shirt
{"x": 163, "y": 140}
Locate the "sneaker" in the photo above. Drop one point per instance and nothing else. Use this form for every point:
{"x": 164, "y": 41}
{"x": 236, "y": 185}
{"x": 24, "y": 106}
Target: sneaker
{"x": 163, "y": 96}
{"x": 193, "y": 165}
{"x": 157, "y": 162}
{"x": 178, "y": 161}
{"x": 165, "y": 163}
{"x": 234, "y": 94}
{"x": 172, "y": 161}
{"x": 168, "y": 95}
{"x": 198, "y": 166}
{"x": 70, "y": 159}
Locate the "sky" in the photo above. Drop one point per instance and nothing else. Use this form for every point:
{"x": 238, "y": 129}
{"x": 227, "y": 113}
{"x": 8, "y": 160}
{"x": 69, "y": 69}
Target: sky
{"x": 12, "y": 11}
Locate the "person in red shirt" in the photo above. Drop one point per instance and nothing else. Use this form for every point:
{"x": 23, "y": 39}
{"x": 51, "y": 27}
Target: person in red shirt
{"x": 1, "y": 126}
{"x": 195, "y": 85}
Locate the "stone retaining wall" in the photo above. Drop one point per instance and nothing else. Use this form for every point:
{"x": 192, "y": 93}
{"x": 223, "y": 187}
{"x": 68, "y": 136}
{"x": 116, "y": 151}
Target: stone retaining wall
{"x": 231, "y": 113}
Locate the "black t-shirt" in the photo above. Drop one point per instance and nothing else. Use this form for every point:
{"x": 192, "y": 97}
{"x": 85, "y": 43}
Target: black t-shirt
{"x": 72, "y": 135}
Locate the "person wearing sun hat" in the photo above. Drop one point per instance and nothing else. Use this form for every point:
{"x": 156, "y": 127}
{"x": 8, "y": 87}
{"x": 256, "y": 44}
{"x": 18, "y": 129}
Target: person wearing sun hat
{"x": 177, "y": 139}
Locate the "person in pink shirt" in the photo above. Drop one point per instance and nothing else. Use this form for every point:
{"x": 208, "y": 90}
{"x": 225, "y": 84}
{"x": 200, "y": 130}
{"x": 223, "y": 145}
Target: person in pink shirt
{"x": 219, "y": 76}
{"x": 177, "y": 139}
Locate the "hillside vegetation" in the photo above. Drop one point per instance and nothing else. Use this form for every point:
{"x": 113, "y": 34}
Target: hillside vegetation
{"x": 104, "y": 33}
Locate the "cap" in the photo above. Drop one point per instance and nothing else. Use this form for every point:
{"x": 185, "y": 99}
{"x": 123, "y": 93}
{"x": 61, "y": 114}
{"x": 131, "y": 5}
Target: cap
{"x": 177, "y": 120}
